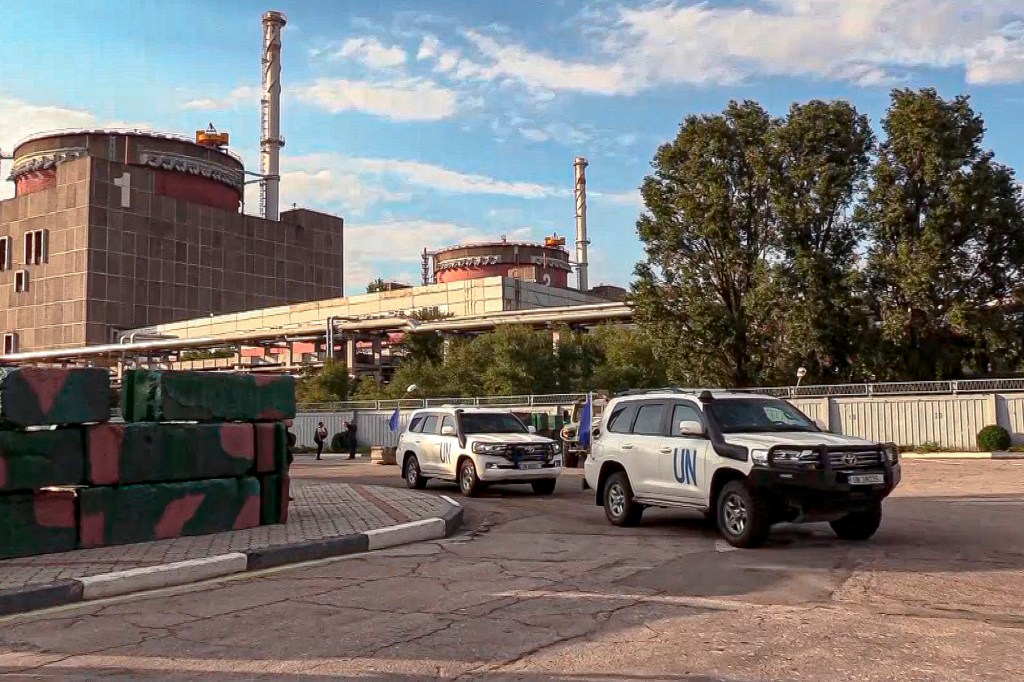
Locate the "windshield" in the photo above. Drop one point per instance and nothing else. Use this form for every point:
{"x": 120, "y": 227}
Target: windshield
{"x": 758, "y": 415}
{"x": 491, "y": 422}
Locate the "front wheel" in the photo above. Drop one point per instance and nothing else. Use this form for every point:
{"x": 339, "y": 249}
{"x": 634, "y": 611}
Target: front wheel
{"x": 413, "y": 476}
{"x": 743, "y": 517}
{"x": 858, "y": 526}
{"x": 469, "y": 482}
{"x": 619, "y": 505}
{"x": 545, "y": 487}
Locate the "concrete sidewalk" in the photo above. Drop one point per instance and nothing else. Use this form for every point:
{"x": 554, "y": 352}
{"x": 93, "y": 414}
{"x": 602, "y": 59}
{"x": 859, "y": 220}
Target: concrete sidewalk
{"x": 324, "y": 520}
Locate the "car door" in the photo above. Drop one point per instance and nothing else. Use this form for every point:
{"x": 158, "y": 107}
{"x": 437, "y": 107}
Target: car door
{"x": 683, "y": 459}
{"x": 610, "y": 440}
{"x": 645, "y": 439}
{"x": 429, "y": 436}
{"x": 447, "y": 446}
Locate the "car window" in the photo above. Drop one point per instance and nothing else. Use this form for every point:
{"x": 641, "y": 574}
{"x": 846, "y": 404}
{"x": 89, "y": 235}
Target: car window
{"x": 759, "y": 415}
{"x": 648, "y": 420}
{"x": 684, "y": 413}
{"x": 621, "y": 419}
{"x": 448, "y": 421}
{"x": 492, "y": 422}
{"x": 430, "y": 424}
{"x": 415, "y": 424}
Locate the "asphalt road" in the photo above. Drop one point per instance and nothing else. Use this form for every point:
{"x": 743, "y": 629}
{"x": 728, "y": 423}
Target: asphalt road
{"x": 544, "y": 589}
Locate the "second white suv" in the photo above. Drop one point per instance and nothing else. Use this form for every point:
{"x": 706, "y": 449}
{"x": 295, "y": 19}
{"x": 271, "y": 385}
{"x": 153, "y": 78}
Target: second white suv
{"x": 475, "y": 447}
{"x": 746, "y": 461}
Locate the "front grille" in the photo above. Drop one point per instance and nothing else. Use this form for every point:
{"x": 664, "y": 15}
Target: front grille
{"x": 530, "y": 453}
{"x": 862, "y": 459}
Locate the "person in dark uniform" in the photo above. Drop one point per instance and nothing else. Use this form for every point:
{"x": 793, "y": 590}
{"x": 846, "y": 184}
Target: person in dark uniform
{"x": 351, "y": 428}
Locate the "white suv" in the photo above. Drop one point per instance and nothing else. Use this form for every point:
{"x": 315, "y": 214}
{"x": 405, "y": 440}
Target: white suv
{"x": 746, "y": 461}
{"x": 475, "y": 447}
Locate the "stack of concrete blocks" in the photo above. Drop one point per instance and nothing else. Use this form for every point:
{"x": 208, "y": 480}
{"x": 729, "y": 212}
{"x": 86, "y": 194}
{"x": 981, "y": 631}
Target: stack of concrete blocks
{"x": 198, "y": 453}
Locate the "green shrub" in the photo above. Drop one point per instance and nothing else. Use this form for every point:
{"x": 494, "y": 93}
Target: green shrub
{"x": 993, "y": 438}
{"x": 340, "y": 442}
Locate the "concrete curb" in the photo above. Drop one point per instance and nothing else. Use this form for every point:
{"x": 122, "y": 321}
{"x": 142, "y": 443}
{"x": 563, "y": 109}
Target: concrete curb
{"x": 962, "y": 455}
{"x": 62, "y": 593}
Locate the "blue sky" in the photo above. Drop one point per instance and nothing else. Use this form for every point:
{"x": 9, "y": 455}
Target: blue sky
{"x": 431, "y": 122}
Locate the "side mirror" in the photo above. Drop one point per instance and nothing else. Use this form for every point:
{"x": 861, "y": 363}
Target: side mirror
{"x": 691, "y": 428}
{"x": 447, "y": 430}
{"x": 531, "y": 428}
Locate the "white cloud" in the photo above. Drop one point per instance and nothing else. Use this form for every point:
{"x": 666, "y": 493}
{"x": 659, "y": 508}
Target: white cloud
{"x": 866, "y": 42}
{"x": 401, "y": 100}
{"x": 243, "y": 94}
{"x": 429, "y": 48}
{"x": 371, "y": 52}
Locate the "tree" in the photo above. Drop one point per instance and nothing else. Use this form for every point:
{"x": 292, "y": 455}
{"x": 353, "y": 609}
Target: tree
{"x": 946, "y": 225}
{"x": 376, "y": 285}
{"x": 820, "y": 157}
{"x": 326, "y": 384}
{"x": 704, "y": 290}
{"x": 626, "y": 360}
{"x": 425, "y": 347}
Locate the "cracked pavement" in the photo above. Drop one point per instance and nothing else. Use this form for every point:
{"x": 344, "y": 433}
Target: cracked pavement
{"x": 543, "y": 588}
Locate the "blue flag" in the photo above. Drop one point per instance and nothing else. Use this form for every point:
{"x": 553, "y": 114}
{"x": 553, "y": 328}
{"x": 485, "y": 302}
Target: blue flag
{"x": 586, "y": 422}
{"x": 393, "y": 422}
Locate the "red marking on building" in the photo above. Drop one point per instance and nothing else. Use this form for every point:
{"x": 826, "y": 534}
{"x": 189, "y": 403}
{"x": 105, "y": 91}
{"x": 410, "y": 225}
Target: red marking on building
{"x": 176, "y": 515}
{"x": 104, "y": 454}
{"x": 238, "y": 440}
{"x": 35, "y": 181}
{"x": 46, "y": 383}
{"x": 196, "y": 189}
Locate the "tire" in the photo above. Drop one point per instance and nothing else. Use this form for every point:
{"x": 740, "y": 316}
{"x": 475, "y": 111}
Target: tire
{"x": 413, "y": 476}
{"x": 858, "y": 526}
{"x": 469, "y": 482}
{"x": 619, "y": 505}
{"x": 545, "y": 487}
{"x": 742, "y": 516}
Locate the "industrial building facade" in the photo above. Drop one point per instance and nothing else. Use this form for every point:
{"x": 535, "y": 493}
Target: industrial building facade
{"x": 112, "y": 231}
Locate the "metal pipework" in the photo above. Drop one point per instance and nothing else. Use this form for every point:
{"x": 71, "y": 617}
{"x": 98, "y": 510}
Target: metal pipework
{"x": 580, "y": 167}
{"x": 270, "y": 115}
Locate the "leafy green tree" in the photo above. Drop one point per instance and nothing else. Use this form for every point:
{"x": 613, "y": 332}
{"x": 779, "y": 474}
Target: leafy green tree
{"x": 704, "y": 290}
{"x": 376, "y": 286}
{"x": 326, "y": 384}
{"x": 820, "y": 157}
{"x": 946, "y": 226}
{"x": 627, "y": 360}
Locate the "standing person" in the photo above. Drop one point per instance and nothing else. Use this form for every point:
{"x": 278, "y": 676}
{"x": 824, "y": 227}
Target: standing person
{"x": 319, "y": 437}
{"x": 351, "y": 427}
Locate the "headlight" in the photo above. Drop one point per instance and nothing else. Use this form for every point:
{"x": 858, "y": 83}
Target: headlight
{"x": 488, "y": 448}
{"x": 759, "y": 456}
{"x": 892, "y": 453}
{"x": 556, "y": 448}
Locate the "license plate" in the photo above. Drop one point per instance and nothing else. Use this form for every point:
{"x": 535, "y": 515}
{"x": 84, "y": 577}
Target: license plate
{"x": 865, "y": 479}
{"x": 530, "y": 465}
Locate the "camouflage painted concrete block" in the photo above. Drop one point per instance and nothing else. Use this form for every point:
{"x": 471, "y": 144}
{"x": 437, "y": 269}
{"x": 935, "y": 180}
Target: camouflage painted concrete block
{"x": 149, "y": 452}
{"x": 271, "y": 448}
{"x": 30, "y": 460}
{"x": 152, "y": 395}
{"x": 274, "y": 493}
{"x": 157, "y": 511}
{"x": 39, "y": 396}
{"x": 37, "y": 523}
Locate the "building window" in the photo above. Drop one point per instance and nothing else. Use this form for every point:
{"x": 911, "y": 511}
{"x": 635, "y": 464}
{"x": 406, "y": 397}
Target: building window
{"x": 36, "y": 247}
{"x": 21, "y": 281}
{"x": 10, "y": 344}
{"x": 5, "y": 253}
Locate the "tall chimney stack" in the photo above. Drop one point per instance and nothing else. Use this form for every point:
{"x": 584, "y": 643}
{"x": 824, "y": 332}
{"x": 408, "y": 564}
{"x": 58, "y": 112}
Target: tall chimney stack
{"x": 270, "y": 116}
{"x": 581, "y": 222}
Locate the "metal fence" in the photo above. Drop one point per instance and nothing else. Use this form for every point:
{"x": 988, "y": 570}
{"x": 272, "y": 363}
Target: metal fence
{"x": 896, "y": 388}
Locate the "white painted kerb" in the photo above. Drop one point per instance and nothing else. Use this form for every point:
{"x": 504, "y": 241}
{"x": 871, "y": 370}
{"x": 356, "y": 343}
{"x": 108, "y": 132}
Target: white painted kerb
{"x": 416, "y": 531}
{"x": 164, "y": 575}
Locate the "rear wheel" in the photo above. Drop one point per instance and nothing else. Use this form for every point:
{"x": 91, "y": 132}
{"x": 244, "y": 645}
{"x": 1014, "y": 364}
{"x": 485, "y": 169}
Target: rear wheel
{"x": 413, "y": 476}
{"x": 858, "y": 526}
{"x": 469, "y": 482}
{"x": 743, "y": 517}
{"x": 545, "y": 487}
{"x": 619, "y": 505}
